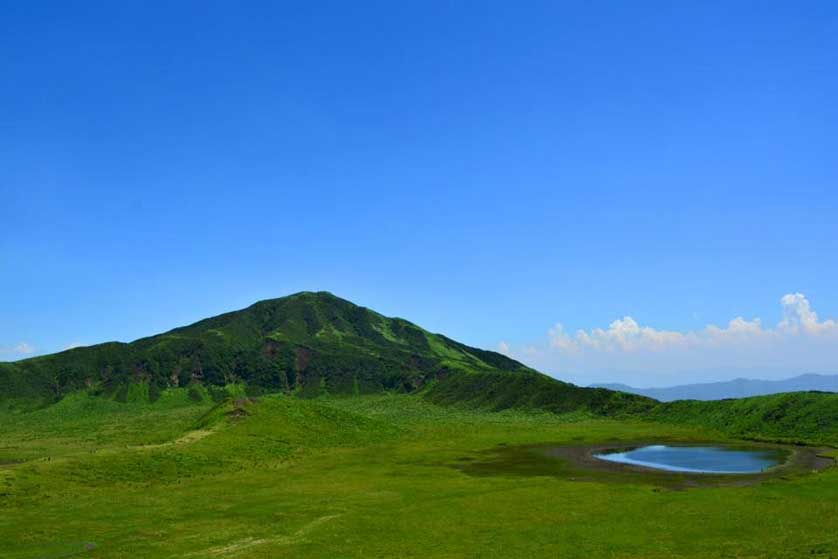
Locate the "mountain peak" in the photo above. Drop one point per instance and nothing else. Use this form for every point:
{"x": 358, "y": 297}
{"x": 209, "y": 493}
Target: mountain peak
{"x": 310, "y": 342}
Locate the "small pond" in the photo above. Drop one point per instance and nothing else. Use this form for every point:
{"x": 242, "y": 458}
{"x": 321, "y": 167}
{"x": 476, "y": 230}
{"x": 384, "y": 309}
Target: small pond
{"x": 698, "y": 459}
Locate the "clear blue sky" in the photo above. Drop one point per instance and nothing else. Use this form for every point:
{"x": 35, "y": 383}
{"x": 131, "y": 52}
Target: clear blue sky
{"x": 484, "y": 169}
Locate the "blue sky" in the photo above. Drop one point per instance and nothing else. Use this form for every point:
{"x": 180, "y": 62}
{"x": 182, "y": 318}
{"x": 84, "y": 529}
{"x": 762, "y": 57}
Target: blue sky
{"x": 487, "y": 170}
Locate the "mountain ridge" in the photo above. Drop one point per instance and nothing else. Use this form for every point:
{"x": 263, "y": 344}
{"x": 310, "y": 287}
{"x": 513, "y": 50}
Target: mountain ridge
{"x": 272, "y": 343}
{"x": 735, "y": 388}
{"x": 309, "y": 344}
{"x": 315, "y": 344}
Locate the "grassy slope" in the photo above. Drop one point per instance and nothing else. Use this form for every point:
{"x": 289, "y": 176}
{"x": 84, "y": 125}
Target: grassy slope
{"x": 368, "y": 475}
{"x": 308, "y": 343}
{"x": 798, "y": 417}
{"x": 372, "y": 476}
{"x": 501, "y": 391}
{"x": 81, "y": 423}
{"x": 314, "y": 344}
{"x": 807, "y": 417}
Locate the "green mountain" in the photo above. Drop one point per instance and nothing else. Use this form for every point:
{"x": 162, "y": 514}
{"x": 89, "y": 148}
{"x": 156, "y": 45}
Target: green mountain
{"x": 795, "y": 417}
{"x": 316, "y": 344}
{"x": 309, "y": 344}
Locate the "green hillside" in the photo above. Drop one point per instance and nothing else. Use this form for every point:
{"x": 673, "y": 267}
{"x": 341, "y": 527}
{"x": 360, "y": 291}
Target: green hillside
{"x": 497, "y": 391}
{"x": 307, "y": 426}
{"x": 798, "y": 417}
{"x": 317, "y": 344}
{"x": 308, "y": 343}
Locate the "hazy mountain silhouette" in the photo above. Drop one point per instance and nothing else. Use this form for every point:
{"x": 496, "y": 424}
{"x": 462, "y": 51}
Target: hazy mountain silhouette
{"x": 737, "y": 388}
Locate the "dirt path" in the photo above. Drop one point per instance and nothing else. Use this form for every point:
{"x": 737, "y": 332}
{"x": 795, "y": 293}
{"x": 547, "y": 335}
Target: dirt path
{"x": 190, "y": 437}
{"x": 238, "y": 546}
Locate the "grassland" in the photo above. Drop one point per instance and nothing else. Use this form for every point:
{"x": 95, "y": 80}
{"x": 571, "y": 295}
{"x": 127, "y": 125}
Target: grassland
{"x": 368, "y": 476}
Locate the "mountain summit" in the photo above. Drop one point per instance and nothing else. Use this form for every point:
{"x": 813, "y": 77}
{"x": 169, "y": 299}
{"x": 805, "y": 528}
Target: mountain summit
{"x": 308, "y": 343}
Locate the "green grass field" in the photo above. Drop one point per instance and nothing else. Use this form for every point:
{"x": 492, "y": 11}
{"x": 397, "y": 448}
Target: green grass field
{"x": 372, "y": 476}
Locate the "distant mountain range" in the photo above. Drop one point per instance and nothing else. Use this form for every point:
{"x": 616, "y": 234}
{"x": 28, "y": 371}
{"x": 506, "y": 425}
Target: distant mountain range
{"x": 737, "y": 388}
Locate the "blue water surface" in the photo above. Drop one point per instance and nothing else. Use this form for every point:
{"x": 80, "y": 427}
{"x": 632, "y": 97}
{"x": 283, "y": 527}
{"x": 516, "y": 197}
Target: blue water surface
{"x": 697, "y": 459}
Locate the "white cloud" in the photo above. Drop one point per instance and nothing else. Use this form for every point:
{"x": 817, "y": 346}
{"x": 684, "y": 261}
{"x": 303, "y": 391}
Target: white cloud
{"x": 624, "y": 334}
{"x": 627, "y": 335}
{"x": 799, "y": 342}
{"x": 559, "y": 339}
{"x": 799, "y": 317}
{"x": 738, "y": 330}
{"x": 73, "y": 345}
{"x": 503, "y": 348}
{"x": 20, "y": 348}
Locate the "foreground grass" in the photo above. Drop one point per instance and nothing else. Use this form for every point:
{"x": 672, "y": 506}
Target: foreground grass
{"x": 363, "y": 477}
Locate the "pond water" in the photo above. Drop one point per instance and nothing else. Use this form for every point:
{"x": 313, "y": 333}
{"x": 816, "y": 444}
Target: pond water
{"x": 698, "y": 459}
